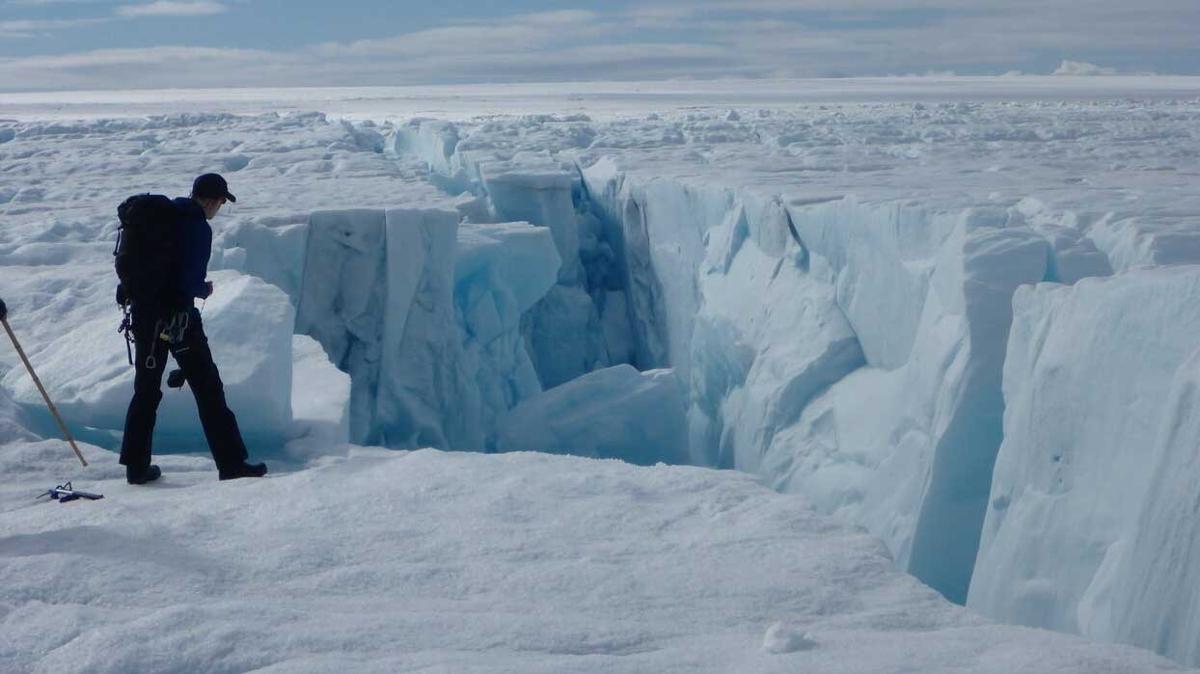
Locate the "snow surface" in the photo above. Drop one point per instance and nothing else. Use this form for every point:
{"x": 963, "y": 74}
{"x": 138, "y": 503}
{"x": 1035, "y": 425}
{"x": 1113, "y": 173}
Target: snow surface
{"x": 599, "y": 99}
{"x": 386, "y": 561}
{"x": 830, "y": 286}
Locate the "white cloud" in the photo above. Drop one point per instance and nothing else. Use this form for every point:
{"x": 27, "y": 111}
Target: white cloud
{"x": 520, "y": 33}
{"x": 33, "y": 28}
{"x": 23, "y": 29}
{"x": 54, "y": 2}
{"x": 167, "y": 57}
{"x": 156, "y": 67}
{"x": 172, "y": 8}
{"x": 661, "y": 39}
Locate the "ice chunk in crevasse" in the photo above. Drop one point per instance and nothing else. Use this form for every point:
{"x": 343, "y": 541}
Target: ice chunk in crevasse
{"x": 501, "y": 270}
{"x": 616, "y": 413}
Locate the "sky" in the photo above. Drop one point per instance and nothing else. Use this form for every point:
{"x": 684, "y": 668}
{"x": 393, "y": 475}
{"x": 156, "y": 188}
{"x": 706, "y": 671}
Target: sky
{"x": 123, "y": 44}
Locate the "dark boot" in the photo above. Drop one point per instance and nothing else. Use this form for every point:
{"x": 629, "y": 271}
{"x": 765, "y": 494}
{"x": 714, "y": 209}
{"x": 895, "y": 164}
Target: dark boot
{"x": 142, "y": 475}
{"x": 243, "y": 470}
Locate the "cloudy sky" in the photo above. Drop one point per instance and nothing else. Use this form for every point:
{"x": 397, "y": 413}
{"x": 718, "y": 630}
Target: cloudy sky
{"x": 106, "y": 44}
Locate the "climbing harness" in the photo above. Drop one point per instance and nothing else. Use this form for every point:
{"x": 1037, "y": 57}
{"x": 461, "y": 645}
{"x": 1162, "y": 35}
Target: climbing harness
{"x": 172, "y": 332}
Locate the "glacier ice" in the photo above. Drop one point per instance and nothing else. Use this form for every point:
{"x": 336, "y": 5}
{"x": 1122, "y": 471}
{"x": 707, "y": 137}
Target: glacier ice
{"x": 768, "y": 338}
{"x": 378, "y": 294}
{"x": 563, "y": 330}
{"x": 1149, "y": 585}
{"x": 762, "y": 307}
{"x": 1084, "y": 530}
{"x": 341, "y": 301}
{"x": 845, "y": 348}
{"x": 542, "y": 199}
{"x": 612, "y": 413}
{"x": 501, "y": 272}
{"x": 274, "y": 254}
{"x": 425, "y": 398}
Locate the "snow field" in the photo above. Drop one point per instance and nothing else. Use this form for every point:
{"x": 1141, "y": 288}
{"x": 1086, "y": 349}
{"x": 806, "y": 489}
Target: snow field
{"x": 605, "y": 100}
{"x": 831, "y": 287}
{"x": 384, "y": 561}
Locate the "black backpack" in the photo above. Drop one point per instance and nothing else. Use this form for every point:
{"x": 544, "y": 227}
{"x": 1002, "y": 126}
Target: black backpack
{"x": 147, "y": 252}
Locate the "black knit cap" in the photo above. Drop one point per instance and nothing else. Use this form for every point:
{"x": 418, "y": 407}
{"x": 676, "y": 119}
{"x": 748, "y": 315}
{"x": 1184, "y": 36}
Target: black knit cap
{"x": 211, "y": 185}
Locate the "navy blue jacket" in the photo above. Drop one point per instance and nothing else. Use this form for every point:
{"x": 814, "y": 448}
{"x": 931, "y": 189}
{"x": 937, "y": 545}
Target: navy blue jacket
{"x": 195, "y": 239}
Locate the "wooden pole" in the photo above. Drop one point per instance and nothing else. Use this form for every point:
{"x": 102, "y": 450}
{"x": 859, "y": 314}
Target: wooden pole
{"x": 53, "y": 410}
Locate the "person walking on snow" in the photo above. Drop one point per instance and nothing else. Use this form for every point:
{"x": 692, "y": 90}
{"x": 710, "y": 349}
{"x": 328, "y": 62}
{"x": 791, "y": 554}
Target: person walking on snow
{"x": 177, "y": 329}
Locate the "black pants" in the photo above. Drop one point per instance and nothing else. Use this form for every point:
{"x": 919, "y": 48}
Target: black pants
{"x": 195, "y": 359}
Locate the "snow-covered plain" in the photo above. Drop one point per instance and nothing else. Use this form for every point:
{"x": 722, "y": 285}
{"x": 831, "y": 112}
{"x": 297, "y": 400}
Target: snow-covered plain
{"x": 383, "y": 561}
{"x": 816, "y": 287}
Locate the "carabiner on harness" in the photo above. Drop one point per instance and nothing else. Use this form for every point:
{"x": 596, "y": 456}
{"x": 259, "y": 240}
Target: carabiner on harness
{"x": 126, "y": 328}
{"x": 174, "y": 331}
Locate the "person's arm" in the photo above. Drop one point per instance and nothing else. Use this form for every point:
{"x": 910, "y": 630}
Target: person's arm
{"x": 201, "y": 251}
{"x": 193, "y": 263}
{"x": 196, "y": 285}
{"x": 201, "y": 289}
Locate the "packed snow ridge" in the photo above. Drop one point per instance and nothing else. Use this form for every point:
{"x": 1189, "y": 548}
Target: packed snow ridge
{"x": 869, "y": 305}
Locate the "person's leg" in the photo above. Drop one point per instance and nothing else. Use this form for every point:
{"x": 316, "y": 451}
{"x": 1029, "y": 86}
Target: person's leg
{"x": 220, "y": 425}
{"x": 150, "y": 359}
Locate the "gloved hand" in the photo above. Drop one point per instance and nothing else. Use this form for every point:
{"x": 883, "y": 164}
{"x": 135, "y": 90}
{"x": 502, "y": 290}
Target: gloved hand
{"x": 3, "y": 311}
{"x": 208, "y": 290}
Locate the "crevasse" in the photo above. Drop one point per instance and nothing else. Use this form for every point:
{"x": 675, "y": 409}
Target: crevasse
{"x": 848, "y": 350}
{"x": 862, "y": 353}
